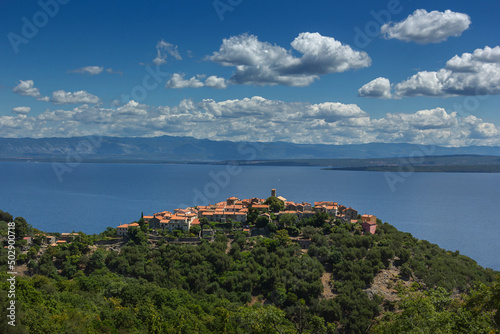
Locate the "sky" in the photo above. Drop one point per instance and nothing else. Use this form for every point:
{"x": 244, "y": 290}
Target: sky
{"x": 322, "y": 72}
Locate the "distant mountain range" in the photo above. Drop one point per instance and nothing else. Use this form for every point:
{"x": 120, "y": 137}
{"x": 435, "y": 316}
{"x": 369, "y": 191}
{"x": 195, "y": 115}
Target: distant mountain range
{"x": 187, "y": 149}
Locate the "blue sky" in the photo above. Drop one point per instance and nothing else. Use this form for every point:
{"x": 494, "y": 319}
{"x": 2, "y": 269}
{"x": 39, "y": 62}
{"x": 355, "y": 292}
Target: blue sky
{"x": 317, "y": 72}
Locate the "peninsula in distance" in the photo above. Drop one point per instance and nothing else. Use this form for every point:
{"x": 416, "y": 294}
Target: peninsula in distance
{"x": 166, "y": 149}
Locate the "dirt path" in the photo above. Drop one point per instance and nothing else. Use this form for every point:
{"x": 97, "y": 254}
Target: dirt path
{"x": 385, "y": 282}
{"x": 22, "y": 270}
{"x": 326, "y": 280}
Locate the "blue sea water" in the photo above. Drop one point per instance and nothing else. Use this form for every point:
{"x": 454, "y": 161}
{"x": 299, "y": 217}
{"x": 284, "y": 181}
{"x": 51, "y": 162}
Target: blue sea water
{"x": 458, "y": 211}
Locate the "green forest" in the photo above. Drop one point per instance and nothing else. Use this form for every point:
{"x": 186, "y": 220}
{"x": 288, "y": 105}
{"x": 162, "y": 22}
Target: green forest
{"x": 239, "y": 283}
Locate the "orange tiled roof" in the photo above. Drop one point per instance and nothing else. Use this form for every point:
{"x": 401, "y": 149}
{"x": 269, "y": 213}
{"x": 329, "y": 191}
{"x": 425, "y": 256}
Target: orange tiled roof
{"x": 177, "y": 218}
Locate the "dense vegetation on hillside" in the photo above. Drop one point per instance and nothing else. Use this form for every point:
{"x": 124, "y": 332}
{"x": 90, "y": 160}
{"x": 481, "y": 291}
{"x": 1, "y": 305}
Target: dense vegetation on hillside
{"x": 249, "y": 284}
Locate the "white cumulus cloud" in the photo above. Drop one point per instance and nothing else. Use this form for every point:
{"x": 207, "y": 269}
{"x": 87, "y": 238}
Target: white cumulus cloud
{"x": 63, "y": 97}
{"x": 132, "y": 108}
{"x": 21, "y": 110}
{"x": 177, "y": 81}
{"x": 470, "y": 74}
{"x": 215, "y": 82}
{"x": 262, "y": 63}
{"x": 379, "y": 88}
{"x": 27, "y": 88}
{"x": 258, "y": 119}
{"x": 163, "y": 49}
{"x": 427, "y": 27}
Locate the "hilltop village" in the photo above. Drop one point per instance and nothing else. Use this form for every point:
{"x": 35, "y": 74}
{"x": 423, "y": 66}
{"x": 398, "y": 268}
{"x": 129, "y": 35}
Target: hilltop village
{"x": 245, "y": 212}
{"x": 253, "y": 216}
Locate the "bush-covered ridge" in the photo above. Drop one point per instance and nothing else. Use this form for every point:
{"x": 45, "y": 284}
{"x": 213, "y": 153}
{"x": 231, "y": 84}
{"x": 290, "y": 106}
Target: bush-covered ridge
{"x": 248, "y": 284}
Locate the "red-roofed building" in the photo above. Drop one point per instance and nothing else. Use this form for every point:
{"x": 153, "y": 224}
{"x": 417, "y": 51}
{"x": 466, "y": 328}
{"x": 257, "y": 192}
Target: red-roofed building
{"x": 291, "y": 212}
{"x": 369, "y": 223}
{"x": 122, "y": 230}
{"x": 231, "y": 200}
{"x": 351, "y": 214}
{"x": 260, "y": 207}
{"x": 164, "y": 223}
{"x": 369, "y": 218}
{"x": 180, "y": 222}
{"x": 304, "y": 206}
{"x": 154, "y": 222}
{"x": 323, "y": 203}
{"x": 51, "y": 239}
{"x": 240, "y": 216}
{"x": 369, "y": 227}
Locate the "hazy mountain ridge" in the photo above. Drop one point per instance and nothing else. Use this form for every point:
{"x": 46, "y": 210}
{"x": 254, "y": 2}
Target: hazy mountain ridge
{"x": 185, "y": 149}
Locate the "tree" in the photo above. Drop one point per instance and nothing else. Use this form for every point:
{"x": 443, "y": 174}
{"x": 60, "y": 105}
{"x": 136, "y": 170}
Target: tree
{"x": 22, "y": 228}
{"x": 334, "y": 256}
{"x": 319, "y": 219}
{"x": 283, "y": 238}
{"x": 405, "y": 271}
{"x": 109, "y": 232}
{"x": 266, "y": 319}
{"x": 262, "y": 221}
{"x": 96, "y": 261}
{"x": 195, "y": 229}
{"x": 204, "y": 222}
{"x": 287, "y": 220}
{"x": 5, "y": 217}
{"x": 252, "y": 216}
{"x": 272, "y": 226}
{"x": 435, "y": 311}
{"x": 275, "y": 204}
{"x": 308, "y": 231}
{"x": 136, "y": 235}
{"x": 143, "y": 225}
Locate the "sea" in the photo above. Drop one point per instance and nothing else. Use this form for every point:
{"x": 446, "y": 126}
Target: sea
{"x": 457, "y": 211}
